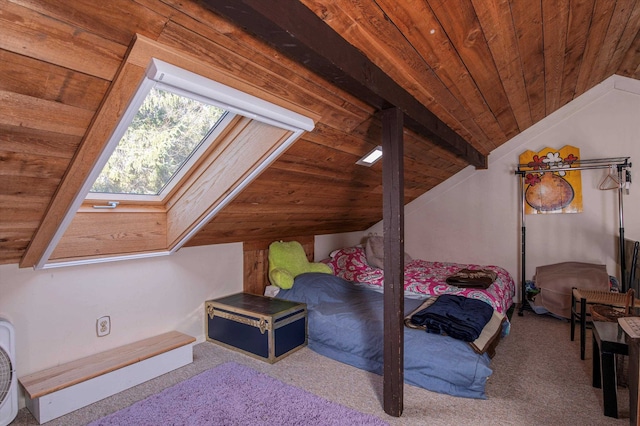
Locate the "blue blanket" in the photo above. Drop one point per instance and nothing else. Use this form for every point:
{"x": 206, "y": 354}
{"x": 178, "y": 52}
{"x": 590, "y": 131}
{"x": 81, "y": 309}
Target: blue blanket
{"x": 346, "y": 324}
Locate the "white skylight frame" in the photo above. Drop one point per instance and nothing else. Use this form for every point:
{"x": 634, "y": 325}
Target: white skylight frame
{"x": 199, "y": 87}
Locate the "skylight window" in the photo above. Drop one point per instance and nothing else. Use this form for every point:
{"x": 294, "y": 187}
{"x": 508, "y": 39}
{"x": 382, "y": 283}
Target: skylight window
{"x": 166, "y": 132}
{"x": 185, "y": 146}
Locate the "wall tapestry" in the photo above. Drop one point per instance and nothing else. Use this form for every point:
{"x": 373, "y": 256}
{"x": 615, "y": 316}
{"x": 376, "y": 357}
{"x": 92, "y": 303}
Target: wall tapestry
{"x": 548, "y": 190}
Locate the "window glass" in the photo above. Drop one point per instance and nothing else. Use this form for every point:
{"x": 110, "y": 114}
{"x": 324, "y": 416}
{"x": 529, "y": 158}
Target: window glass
{"x": 164, "y": 134}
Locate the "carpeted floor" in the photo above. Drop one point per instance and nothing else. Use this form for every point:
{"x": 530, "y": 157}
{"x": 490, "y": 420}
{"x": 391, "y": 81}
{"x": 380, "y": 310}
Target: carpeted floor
{"x": 538, "y": 379}
{"x": 234, "y": 394}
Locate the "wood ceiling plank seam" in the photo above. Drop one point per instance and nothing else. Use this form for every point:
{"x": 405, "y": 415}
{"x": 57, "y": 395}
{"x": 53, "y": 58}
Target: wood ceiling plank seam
{"x": 419, "y": 77}
{"x": 41, "y": 37}
{"x": 41, "y": 114}
{"x": 308, "y": 145}
{"x": 297, "y": 19}
{"x": 555, "y": 16}
{"x": 286, "y": 225}
{"x": 32, "y": 77}
{"x": 335, "y": 180}
{"x": 528, "y": 23}
{"x": 293, "y": 213}
{"x": 19, "y": 139}
{"x": 20, "y": 203}
{"x": 32, "y": 165}
{"x": 437, "y": 53}
{"x": 318, "y": 202}
{"x": 580, "y": 15}
{"x": 115, "y": 20}
{"x": 29, "y": 188}
{"x": 301, "y": 196}
{"x": 615, "y": 28}
{"x": 337, "y": 201}
{"x": 497, "y": 24}
{"x": 279, "y": 73}
{"x": 602, "y": 13}
{"x": 625, "y": 42}
{"x": 630, "y": 66}
{"x": 314, "y": 167}
{"x": 463, "y": 29}
{"x": 292, "y": 189}
{"x": 332, "y": 138}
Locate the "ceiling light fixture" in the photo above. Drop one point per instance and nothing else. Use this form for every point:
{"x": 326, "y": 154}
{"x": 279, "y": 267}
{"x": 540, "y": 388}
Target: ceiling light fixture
{"x": 370, "y": 159}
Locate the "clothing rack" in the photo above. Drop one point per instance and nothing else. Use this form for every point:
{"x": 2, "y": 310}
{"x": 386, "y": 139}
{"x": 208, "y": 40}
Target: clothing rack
{"x": 621, "y": 164}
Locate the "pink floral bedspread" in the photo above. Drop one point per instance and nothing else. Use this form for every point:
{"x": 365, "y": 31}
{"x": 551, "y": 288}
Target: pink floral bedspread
{"x": 424, "y": 278}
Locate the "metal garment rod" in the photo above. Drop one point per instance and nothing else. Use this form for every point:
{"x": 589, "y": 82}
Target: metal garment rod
{"x": 621, "y": 163}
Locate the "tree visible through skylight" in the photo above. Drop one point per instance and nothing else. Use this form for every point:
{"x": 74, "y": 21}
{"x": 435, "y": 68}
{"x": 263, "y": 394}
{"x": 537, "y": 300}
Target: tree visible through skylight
{"x": 165, "y": 132}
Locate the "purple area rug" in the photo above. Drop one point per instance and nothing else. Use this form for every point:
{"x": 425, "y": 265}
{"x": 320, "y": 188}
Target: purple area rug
{"x": 233, "y": 394}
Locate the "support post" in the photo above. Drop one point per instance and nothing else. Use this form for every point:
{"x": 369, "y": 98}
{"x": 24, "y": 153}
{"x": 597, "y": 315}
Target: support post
{"x": 523, "y": 250}
{"x": 624, "y": 285}
{"x": 393, "y": 225}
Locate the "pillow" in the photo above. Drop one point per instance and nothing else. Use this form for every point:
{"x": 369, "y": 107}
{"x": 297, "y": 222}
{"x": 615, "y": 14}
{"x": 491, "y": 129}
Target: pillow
{"x": 348, "y": 261}
{"x": 374, "y": 250}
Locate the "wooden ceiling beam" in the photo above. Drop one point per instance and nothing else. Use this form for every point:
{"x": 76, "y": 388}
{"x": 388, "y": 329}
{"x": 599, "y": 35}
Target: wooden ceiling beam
{"x": 294, "y": 30}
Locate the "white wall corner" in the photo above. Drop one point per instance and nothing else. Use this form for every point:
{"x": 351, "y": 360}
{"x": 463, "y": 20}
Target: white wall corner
{"x": 626, "y": 84}
{"x": 513, "y": 147}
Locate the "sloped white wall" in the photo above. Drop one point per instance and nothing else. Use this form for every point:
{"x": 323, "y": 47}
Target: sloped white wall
{"x": 474, "y": 217}
{"x": 54, "y": 311}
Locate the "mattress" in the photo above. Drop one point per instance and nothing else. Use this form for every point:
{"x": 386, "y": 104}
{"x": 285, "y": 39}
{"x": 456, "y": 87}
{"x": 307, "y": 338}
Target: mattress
{"x": 345, "y": 323}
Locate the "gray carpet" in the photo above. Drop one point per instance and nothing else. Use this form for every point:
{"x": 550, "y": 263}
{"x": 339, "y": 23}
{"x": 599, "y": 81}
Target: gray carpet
{"x": 538, "y": 379}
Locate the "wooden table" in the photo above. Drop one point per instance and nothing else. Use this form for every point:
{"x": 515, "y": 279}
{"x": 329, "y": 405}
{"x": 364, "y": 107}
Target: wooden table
{"x": 608, "y": 340}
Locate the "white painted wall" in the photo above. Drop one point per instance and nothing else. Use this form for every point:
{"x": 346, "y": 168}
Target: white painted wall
{"x": 325, "y": 244}
{"x": 474, "y": 217}
{"x": 54, "y": 311}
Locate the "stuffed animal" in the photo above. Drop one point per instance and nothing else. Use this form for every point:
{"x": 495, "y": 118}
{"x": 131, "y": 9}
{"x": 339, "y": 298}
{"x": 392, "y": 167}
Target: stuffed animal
{"x": 287, "y": 260}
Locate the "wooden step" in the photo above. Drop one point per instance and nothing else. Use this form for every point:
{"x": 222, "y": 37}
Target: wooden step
{"x": 112, "y": 365}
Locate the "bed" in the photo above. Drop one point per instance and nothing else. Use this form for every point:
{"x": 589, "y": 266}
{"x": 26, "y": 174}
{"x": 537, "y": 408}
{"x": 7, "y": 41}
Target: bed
{"x": 345, "y": 323}
{"x": 424, "y": 278}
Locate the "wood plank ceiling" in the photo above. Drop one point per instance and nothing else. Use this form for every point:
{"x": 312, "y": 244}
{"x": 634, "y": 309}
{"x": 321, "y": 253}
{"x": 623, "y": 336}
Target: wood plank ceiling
{"x": 487, "y": 69}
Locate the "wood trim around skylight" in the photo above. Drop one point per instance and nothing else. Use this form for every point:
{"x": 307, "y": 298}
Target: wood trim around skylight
{"x": 74, "y": 233}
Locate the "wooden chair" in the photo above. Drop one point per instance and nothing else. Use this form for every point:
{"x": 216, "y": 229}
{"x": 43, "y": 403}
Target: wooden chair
{"x": 607, "y": 302}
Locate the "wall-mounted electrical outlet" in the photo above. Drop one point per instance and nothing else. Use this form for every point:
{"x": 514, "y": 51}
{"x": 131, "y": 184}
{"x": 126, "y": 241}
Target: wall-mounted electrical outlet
{"x": 103, "y": 326}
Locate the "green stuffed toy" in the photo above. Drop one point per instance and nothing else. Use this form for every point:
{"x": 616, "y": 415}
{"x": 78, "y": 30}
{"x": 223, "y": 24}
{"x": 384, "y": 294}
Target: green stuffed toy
{"x": 287, "y": 260}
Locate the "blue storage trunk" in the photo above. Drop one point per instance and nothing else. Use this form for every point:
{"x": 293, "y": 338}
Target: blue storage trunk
{"x": 262, "y": 327}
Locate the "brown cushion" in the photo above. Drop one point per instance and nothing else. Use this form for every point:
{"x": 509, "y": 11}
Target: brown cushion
{"x": 556, "y": 281}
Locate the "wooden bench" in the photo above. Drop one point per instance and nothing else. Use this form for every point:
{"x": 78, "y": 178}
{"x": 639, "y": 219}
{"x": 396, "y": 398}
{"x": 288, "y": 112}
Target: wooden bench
{"x": 64, "y": 388}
